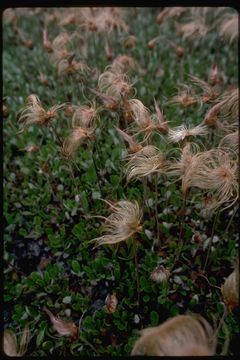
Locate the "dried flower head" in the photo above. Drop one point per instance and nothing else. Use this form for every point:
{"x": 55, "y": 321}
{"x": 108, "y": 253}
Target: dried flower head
{"x": 69, "y": 66}
{"x": 163, "y": 127}
{"x": 123, "y": 63}
{"x": 77, "y": 137}
{"x": 160, "y": 274}
{"x": 124, "y": 222}
{"x": 63, "y": 327}
{"x": 189, "y": 167}
{"x": 47, "y": 44}
{"x": 115, "y": 84}
{"x": 230, "y": 290}
{"x": 13, "y": 346}
{"x": 182, "y": 335}
{"x": 181, "y": 132}
{"x": 209, "y": 93}
{"x": 5, "y": 110}
{"x": 85, "y": 116}
{"x": 170, "y": 12}
{"x": 109, "y": 102}
{"x": 185, "y": 98}
{"x": 146, "y": 161}
{"x": 35, "y": 113}
{"x": 214, "y": 76}
{"x": 196, "y": 28}
{"x": 133, "y": 146}
{"x": 111, "y": 302}
{"x": 129, "y": 42}
{"x": 230, "y": 105}
{"x": 221, "y": 179}
{"x": 103, "y": 19}
{"x": 139, "y": 113}
{"x": 230, "y": 141}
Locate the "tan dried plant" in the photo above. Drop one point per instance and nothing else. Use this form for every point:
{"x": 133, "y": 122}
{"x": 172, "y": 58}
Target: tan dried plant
{"x": 34, "y": 113}
{"x": 69, "y": 66}
{"x": 85, "y": 116}
{"x": 181, "y": 132}
{"x": 187, "y": 166}
{"x": 13, "y": 346}
{"x": 129, "y": 41}
{"x": 148, "y": 160}
{"x": 229, "y": 27}
{"x": 110, "y": 103}
{"x": 230, "y": 105}
{"x": 115, "y": 84}
{"x": 77, "y": 137}
{"x": 185, "y": 97}
{"x": 182, "y": 335}
{"x": 224, "y": 114}
{"x": 221, "y": 179}
{"x": 123, "y": 63}
{"x": 133, "y": 145}
{"x": 146, "y": 123}
{"x": 83, "y": 127}
{"x": 230, "y": 289}
{"x": 102, "y": 19}
{"x": 63, "y": 328}
{"x": 208, "y": 91}
{"x": 123, "y": 222}
{"x": 170, "y": 12}
{"x": 230, "y": 141}
{"x": 193, "y": 29}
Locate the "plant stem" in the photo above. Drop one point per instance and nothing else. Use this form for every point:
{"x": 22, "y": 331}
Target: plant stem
{"x": 144, "y": 180}
{"x": 59, "y": 141}
{"x": 230, "y": 221}
{"x": 210, "y": 242}
{"x": 137, "y": 272}
{"x": 95, "y": 167}
{"x": 156, "y": 210}
{"x": 180, "y": 240}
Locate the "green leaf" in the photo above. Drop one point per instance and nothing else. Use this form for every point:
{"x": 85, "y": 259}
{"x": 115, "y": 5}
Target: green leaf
{"x": 47, "y": 345}
{"x": 40, "y": 337}
{"x": 67, "y": 300}
{"x": 154, "y": 318}
{"x": 75, "y": 266}
{"x": 7, "y": 297}
{"x": 146, "y": 298}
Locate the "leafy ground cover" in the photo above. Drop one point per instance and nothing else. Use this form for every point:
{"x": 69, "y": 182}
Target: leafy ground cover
{"x": 56, "y": 177}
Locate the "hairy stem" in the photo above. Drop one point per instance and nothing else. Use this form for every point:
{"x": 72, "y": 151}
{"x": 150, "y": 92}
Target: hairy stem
{"x": 211, "y": 239}
{"x": 180, "y": 240}
{"x": 137, "y": 272}
{"x": 144, "y": 181}
{"x": 95, "y": 167}
{"x": 156, "y": 210}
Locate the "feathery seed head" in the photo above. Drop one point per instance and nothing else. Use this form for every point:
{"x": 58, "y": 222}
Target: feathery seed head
{"x": 124, "y": 222}
{"x": 84, "y": 116}
{"x": 181, "y": 335}
{"x": 181, "y": 132}
{"x": 146, "y": 161}
{"x": 34, "y": 113}
{"x": 76, "y": 138}
{"x": 229, "y": 27}
{"x": 13, "y": 346}
{"x": 115, "y": 84}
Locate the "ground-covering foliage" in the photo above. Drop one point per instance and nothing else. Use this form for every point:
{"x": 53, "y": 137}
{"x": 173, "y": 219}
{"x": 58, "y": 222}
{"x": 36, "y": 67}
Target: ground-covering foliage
{"x": 120, "y": 179}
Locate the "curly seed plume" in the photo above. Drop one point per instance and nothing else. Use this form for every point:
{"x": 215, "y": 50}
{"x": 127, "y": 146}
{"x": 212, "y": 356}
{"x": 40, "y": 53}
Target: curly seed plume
{"x": 181, "y": 335}
{"x": 124, "y": 221}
